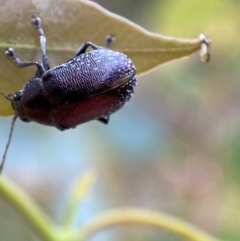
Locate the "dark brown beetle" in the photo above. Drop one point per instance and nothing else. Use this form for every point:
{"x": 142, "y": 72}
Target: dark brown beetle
{"x": 90, "y": 86}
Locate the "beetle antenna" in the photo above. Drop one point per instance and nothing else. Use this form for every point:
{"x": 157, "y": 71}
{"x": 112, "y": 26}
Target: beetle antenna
{"x": 8, "y": 143}
{"x": 7, "y": 97}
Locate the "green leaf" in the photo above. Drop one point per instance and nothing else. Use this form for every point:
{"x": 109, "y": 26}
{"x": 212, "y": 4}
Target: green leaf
{"x": 67, "y": 24}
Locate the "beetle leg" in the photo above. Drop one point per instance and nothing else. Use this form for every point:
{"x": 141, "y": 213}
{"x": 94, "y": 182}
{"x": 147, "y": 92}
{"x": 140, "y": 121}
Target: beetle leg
{"x": 109, "y": 40}
{"x": 10, "y": 53}
{"x": 84, "y": 47}
{"x": 36, "y": 21}
{"x": 104, "y": 119}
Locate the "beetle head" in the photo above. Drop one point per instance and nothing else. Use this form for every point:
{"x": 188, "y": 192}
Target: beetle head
{"x": 16, "y": 102}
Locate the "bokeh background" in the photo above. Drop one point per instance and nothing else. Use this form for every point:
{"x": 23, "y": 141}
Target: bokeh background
{"x": 174, "y": 148}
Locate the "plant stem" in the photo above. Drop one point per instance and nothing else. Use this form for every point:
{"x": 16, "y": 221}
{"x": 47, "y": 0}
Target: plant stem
{"x": 48, "y": 231}
{"x": 79, "y": 191}
{"x": 132, "y": 216}
{"x": 41, "y": 223}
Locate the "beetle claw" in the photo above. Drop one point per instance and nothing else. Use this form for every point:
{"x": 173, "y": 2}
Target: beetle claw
{"x": 36, "y": 21}
{"x": 10, "y": 52}
{"x": 109, "y": 39}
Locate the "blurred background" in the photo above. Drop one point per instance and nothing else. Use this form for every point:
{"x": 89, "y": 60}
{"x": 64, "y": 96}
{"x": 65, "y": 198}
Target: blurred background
{"x": 174, "y": 148}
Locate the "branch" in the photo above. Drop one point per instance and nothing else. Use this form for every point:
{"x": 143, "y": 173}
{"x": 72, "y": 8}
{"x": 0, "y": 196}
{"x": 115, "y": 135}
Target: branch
{"x": 41, "y": 223}
{"x": 133, "y": 216}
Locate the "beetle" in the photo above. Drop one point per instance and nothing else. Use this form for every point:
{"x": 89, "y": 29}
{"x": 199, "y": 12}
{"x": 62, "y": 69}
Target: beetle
{"x": 90, "y": 86}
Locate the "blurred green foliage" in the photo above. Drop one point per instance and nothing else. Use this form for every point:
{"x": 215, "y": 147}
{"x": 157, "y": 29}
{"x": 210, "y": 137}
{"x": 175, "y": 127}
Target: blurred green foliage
{"x": 175, "y": 147}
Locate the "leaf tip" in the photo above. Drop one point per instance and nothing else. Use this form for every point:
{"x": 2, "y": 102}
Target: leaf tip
{"x": 205, "y": 52}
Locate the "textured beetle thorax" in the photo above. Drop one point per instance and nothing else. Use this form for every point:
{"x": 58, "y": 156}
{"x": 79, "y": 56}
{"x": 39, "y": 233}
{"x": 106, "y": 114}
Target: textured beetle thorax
{"x": 86, "y": 75}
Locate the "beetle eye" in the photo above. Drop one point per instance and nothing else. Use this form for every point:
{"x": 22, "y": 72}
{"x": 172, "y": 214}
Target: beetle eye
{"x": 17, "y": 96}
